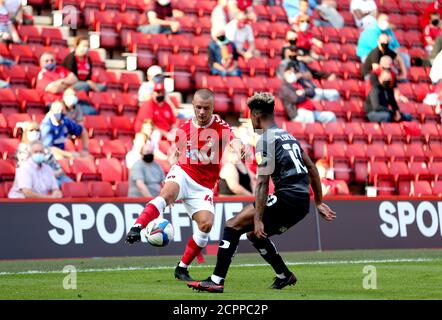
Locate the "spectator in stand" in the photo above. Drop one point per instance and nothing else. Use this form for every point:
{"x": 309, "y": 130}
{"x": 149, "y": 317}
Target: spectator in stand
{"x": 293, "y": 8}
{"x": 296, "y": 100}
{"x": 240, "y": 32}
{"x": 8, "y": 33}
{"x": 306, "y": 41}
{"x": 53, "y": 79}
{"x": 364, "y": 12}
{"x": 435, "y": 6}
{"x": 247, "y": 7}
{"x": 160, "y": 112}
{"x": 381, "y": 104}
{"x": 146, "y": 175}
{"x": 434, "y": 98}
{"x": 383, "y": 49}
{"x": 148, "y": 134}
{"x": 34, "y": 178}
{"x": 162, "y": 18}
{"x": 235, "y": 177}
{"x": 224, "y": 12}
{"x": 386, "y": 63}
{"x": 31, "y": 133}
{"x": 432, "y": 31}
{"x": 146, "y": 89}
{"x": 437, "y": 47}
{"x": 56, "y": 128}
{"x": 304, "y": 77}
{"x": 368, "y": 40}
{"x": 330, "y": 186}
{"x": 79, "y": 63}
{"x": 304, "y": 10}
{"x": 15, "y": 10}
{"x": 75, "y": 109}
{"x": 329, "y": 15}
{"x": 223, "y": 56}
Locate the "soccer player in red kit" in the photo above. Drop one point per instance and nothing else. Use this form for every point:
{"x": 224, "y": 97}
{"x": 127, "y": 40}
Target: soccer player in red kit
{"x": 200, "y": 143}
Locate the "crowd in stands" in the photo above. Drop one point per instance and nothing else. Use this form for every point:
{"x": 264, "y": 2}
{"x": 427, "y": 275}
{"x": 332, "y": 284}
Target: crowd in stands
{"x": 311, "y": 87}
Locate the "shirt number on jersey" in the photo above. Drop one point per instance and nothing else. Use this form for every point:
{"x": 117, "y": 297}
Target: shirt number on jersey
{"x": 295, "y": 154}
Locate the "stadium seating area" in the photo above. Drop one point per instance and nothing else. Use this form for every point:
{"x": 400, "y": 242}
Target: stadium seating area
{"x": 397, "y": 158}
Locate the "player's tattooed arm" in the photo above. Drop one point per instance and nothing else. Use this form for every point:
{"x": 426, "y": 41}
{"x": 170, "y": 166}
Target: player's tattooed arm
{"x": 261, "y": 193}
{"x": 323, "y": 209}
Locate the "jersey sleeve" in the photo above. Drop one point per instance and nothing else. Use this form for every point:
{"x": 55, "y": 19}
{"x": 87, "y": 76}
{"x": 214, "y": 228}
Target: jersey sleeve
{"x": 265, "y": 154}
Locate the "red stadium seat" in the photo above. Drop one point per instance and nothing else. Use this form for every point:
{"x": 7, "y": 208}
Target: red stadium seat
{"x": 74, "y": 190}
{"x": 421, "y": 171}
{"x": 335, "y": 131}
{"x": 14, "y": 75}
{"x": 8, "y": 147}
{"x": 437, "y": 188}
{"x": 31, "y": 100}
{"x": 121, "y": 126}
{"x": 7, "y": 170}
{"x": 110, "y": 170}
{"x": 354, "y": 132}
{"x": 121, "y": 189}
{"x": 53, "y": 37}
{"x": 30, "y": 34}
{"x": 13, "y": 119}
{"x": 421, "y": 188}
{"x": 97, "y": 126}
{"x": 84, "y": 169}
{"x": 101, "y": 189}
{"x": 5, "y": 131}
{"x": 130, "y": 82}
{"x": 376, "y": 152}
{"x": 114, "y": 149}
{"x": 436, "y": 170}
{"x": 395, "y": 152}
{"x": 374, "y": 132}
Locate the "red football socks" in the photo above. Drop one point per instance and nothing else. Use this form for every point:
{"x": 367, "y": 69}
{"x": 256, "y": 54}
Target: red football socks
{"x": 149, "y": 213}
{"x": 192, "y": 251}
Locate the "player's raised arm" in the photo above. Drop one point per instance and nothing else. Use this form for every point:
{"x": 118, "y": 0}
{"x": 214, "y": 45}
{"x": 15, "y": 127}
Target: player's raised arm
{"x": 324, "y": 210}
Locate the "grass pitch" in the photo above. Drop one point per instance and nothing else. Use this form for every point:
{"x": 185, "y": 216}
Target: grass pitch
{"x": 400, "y": 274}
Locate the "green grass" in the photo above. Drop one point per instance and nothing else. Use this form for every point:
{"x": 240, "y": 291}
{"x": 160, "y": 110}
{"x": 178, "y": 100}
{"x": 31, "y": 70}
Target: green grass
{"x": 333, "y": 278}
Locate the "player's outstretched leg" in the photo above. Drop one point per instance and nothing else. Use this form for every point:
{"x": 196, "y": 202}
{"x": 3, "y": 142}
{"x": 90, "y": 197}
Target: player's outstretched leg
{"x": 150, "y": 212}
{"x": 196, "y": 243}
{"x": 226, "y": 251}
{"x": 267, "y": 250}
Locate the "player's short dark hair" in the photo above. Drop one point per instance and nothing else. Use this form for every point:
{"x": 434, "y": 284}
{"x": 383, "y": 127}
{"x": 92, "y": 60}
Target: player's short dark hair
{"x": 262, "y": 102}
{"x": 205, "y": 94}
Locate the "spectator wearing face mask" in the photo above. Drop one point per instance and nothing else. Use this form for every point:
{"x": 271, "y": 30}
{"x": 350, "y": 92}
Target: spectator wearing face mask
{"x": 53, "y": 79}
{"x": 223, "y": 56}
{"x": 305, "y": 40}
{"x": 56, "y": 128}
{"x": 293, "y": 8}
{"x": 381, "y": 104}
{"x": 434, "y": 6}
{"x": 432, "y": 31}
{"x": 368, "y": 40}
{"x": 296, "y": 100}
{"x": 79, "y": 63}
{"x": 383, "y": 49}
{"x": 159, "y": 111}
{"x": 34, "y": 178}
{"x": 75, "y": 109}
{"x": 364, "y": 12}
{"x": 146, "y": 175}
{"x": 31, "y": 133}
{"x": 162, "y": 18}
{"x": 8, "y": 33}
{"x": 240, "y": 32}
{"x": 154, "y": 74}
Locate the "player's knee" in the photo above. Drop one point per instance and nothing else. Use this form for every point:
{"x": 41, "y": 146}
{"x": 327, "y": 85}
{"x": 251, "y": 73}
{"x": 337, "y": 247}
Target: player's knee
{"x": 205, "y": 226}
{"x": 233, "y": 223}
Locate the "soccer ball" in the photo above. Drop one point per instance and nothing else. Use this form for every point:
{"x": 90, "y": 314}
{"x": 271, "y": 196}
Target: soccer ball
{"x": 159, "y": 232}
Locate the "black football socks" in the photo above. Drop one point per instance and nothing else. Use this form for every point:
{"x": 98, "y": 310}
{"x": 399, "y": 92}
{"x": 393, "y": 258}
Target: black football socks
{"x": 267, "y": 250}
{"x": 226, "y": 251}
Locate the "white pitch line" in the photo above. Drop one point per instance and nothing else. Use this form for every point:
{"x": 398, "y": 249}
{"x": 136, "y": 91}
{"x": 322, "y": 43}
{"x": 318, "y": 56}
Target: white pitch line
{"x": 233, "y": 265}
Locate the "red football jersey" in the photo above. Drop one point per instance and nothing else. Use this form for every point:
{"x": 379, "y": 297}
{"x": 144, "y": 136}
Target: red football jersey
{"x": 201, "y": 149}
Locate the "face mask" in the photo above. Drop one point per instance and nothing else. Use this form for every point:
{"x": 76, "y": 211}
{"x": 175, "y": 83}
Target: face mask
{"x": 292, "y": 42}
{"x": 435, "y": 22}
{"x": 148, "y": 157}
{"x": 82, "y": 51}
{"x": 163, "y": 2}
{"x": 386, "y": 83}
{"x": 303, "y": 26}
{"x": 384, "y": 46}
{"x": 383, "y": 25}
{"x": 70, "y": 101}
{"x": 58, "y": 116}
{"x": 33, "y": 136}
{"x": 38, "y": 158}
{"x": 50, "y": 66}
{"x": 160, "y": 98}
{"x": 291, "y": 78}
